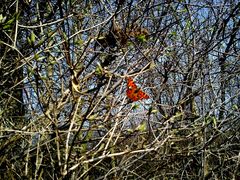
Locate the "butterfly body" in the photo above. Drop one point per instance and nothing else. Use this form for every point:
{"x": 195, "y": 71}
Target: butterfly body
{"x": 133, "y": 92}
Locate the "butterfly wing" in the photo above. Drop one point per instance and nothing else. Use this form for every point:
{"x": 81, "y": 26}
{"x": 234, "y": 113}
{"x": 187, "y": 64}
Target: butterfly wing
{"x": 142, "y": 95}
{"x": 131, "y": 84}
{"x": 131, "y": 95}
{"x": 133, "y": 92}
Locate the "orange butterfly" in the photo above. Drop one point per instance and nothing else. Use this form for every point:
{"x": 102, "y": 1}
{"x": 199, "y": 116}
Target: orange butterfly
{"x": 133, "y": 92}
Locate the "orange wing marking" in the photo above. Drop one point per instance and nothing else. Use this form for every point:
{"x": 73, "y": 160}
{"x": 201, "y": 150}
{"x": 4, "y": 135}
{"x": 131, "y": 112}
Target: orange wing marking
{"x": 133, "y": 92}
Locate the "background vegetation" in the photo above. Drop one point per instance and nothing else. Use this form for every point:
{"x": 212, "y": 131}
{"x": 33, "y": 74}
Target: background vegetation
{"x": 64, "y": 113}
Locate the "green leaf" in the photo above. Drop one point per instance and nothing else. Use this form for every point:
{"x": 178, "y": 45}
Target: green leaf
{"x": 2, "y": 19}
{"x": 142, "y": 127}
{"x": 33, "y": 37}
{"x": 174, "y": 33}
{"x": 6, "y": 27}
{"x": 79, "y": 42}
{"x": 154, "y": 111}
{"x": 40, "y": 42}
{"x": 135, "y": 106}
{"x": 214, "y": 120}
{"x": 99, "y": 70}
{"x": 130, "y": 130}
{"x": 188, "y": 24}
{"x": 176, "y": 117}
{"x": 93, "y": 117}
{"x": 142, "y": 38}
{"x": 36, "y": 56}
{"x": 235, "y": 107}
{"x": 29, "y": 41}
{"x": 9, "y": 22}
